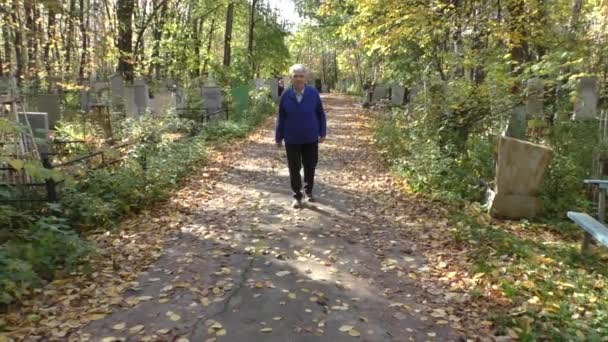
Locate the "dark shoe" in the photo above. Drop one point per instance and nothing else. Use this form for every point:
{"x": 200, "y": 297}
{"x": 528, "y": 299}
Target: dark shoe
{"x": 310, "y": 198}
{"x": 297, "y": 204}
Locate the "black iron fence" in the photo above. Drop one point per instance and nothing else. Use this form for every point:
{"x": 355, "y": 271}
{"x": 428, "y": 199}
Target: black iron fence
{"x": 50, "y": 186}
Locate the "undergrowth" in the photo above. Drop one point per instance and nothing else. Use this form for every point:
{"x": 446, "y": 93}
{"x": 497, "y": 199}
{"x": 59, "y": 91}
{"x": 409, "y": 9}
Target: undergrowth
{"x": 39, "y": 243}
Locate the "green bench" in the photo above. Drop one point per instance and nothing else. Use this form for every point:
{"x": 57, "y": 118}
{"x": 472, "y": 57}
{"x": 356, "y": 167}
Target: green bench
{"x": 593, "y": 228}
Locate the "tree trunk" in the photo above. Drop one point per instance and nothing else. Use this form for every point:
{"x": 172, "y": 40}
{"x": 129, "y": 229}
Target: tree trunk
{"x": 124, "y": 14}
{"x": 69, "y": 39}
{"x": 228, "y": 34}
{"x": 84, "y": 53}
{"x": 576, "y": 12}
{"x": 18, "y": 41}
{"x": 6, "y": 37}
{"x": 30, "y": 25}
{"x": 254, "y": 4}
{"x": 50, "y": 31}
{"x": 158, "y": 35}
{"x": 519, "y": 47}
{"x": 197, "y": 26}
{"x": 5, "y": 55}
{"x": 209, "y": 45}
{"x": 335, "y": 69}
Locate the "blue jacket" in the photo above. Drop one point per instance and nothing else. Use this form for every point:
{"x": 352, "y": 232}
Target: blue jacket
{"x": 303, "y": 122}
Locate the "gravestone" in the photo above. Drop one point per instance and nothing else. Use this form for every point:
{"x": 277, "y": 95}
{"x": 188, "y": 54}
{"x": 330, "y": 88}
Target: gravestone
{"x": 46, "y": 103}
{"x": 86, "y": 100}
{"x": 380, "y": 92}
{"x": 209, "y": 81}
{"x": 39, "y": 123}
{"x": 212, "y": 102}
{"x": 273, "y": 84}
{"x": 98, "y": 87}
{"x": 5, "y": 85}
{"x": 180, "y": 98}
{"x": 520, "y": 169}
{"x": 585, "y": 107}
{"x": 518, "y": 124}
{"x": 162, "y": 102}
{"x": 117, "y": 87}
{"x": 101, "y": 93}
{"x": 534, "y": 99}
{"x": 141, "y": 96}
{"x": 8, "y": 85}
{"x": 129, "y": 102}
{"x": 397, "y": 95}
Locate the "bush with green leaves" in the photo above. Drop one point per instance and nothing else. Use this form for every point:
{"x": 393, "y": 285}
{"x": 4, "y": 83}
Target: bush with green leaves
{"x": 39, "y": 247}
{"x": 574, "y": 145}
{"x": 261, "y": 106}
{"x": 446, "y": 148}
{"x": 36, "y": 245}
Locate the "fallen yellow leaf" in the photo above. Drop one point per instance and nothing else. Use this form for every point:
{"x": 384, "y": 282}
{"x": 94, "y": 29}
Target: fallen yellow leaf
{"x": 354, "y": 333}
{"x": 119, "y": 326}
{"x": 173, "y": 316}
{"x": 345, "y": 328}
{"x": 438, "y": 313}
{"x": 113, "y": 339}
{"x": 95, "y": 317}
{"x": 136, "y": 329}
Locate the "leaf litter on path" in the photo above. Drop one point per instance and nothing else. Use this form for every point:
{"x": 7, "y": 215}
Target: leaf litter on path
{"x": 141, "y": 243}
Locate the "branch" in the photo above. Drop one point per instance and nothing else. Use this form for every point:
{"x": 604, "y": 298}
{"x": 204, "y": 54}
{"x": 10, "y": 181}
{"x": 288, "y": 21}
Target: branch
{"x": 152, "y": 16}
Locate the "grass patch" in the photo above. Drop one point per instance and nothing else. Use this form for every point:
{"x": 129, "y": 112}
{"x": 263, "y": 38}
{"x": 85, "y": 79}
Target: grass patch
{"x": 551, "y": 291}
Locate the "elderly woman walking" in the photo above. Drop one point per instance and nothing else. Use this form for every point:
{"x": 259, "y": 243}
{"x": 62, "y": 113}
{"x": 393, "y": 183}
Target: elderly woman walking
{"x": 301, "y": 124}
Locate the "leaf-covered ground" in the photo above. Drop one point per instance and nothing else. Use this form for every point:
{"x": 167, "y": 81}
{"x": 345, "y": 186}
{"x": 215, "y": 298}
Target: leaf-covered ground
{"x": 227, "y": 259}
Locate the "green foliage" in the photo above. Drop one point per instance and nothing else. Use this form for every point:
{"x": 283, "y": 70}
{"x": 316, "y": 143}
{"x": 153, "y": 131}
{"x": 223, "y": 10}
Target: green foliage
{"x": 38, "y": 248}
{"x": 261, "y": 106}
{"x": 428, "y": 148}
{"x": 548, "y": 284}
{"x": 37, "y": 245}
{"x": 574, "y": 144}
{"x": 154, "y": 166}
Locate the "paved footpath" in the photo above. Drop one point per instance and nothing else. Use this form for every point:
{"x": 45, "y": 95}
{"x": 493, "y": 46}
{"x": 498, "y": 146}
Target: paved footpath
{"x": 250, "y": 268}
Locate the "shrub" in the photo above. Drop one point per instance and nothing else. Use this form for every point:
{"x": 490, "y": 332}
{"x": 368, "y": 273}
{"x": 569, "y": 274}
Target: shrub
{"x": 574, "y": 144}
{"x": 415, "y": 152}
{"x": 41, "y": 247}
{"x": 36, "y": 245}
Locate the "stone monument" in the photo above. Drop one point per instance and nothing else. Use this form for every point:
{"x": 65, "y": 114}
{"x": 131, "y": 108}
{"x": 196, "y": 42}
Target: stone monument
{"x": 380, "y": 92}
{"x": 520, "y": 170}
{"x": 585, "y": 107}
{"x": 397, "y": 95}
{"x": 212, "y": 102}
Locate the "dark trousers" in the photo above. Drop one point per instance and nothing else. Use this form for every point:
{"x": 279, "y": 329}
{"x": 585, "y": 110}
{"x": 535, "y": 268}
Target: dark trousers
{"x": 298, "y": 155}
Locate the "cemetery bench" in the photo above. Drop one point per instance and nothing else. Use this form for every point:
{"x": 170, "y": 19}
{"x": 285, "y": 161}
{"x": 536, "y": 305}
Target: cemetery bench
{"x": 593, "y": 228}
